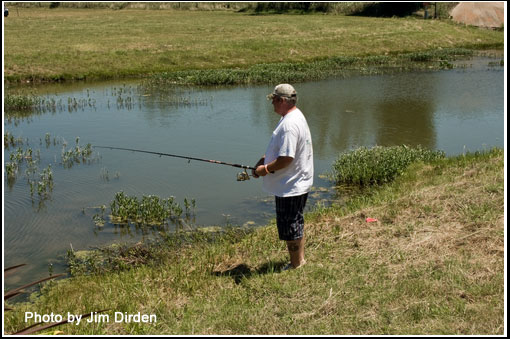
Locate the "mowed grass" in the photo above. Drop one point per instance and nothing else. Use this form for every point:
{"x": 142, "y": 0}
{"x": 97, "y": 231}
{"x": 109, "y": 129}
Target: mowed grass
{"x": 63, "y": 43}
{"x": 433, "y": 263}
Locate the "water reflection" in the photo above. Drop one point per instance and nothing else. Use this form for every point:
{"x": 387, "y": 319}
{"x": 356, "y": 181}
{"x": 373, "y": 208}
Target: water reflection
{"x": 406, "y": 121}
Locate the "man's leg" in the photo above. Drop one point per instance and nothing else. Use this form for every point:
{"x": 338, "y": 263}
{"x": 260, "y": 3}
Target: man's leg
{"x": 297, "y": 251}
{"x": 290, "y": 223}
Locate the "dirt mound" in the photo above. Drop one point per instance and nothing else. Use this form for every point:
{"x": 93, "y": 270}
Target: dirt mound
{"x": 481, "y": 14}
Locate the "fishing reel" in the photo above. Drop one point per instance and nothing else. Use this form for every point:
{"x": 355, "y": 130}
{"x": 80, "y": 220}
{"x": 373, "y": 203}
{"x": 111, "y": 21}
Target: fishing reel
{"x": 243, "y": 176}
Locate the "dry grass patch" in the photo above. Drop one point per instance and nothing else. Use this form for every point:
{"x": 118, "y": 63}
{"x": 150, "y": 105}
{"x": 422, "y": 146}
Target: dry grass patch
{"x": 429, "y": 223}
{"x": 438, "y": 251}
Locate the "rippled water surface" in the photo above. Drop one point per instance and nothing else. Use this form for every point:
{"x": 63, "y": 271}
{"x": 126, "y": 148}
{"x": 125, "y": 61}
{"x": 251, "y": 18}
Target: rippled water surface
{"x": 455, "y": 111}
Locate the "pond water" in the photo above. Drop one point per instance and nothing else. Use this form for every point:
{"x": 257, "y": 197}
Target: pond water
{"x": 455, "y": 111}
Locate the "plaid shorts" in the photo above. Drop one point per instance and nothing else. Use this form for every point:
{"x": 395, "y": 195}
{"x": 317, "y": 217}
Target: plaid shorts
{"x": 289, "y": 216}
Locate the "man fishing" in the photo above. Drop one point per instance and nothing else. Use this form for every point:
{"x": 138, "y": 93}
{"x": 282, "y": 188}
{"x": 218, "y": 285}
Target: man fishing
{"x": 287, "y": 171}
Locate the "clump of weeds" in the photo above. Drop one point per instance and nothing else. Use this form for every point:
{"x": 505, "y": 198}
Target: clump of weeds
{"x": 26, "y": 160}
{"x": 76, "y": 154}
{"x": 378, "y": 165}
{"x": 150, "y": 210}
{"x": 148, "y": 213}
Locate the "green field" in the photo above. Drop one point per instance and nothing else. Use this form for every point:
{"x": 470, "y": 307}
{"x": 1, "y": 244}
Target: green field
{"x": 66, "y": 43}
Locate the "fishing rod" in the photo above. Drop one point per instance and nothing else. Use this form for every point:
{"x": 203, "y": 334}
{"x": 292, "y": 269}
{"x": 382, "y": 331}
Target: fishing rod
{"x": 240, "y": 176}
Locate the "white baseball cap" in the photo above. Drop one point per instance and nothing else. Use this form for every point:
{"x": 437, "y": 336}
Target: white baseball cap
{"x": 283, "y": 90}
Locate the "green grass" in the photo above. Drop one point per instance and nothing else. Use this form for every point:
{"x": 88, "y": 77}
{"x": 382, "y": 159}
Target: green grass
{"x": 378, "y": 165}
{"x": 305, "y": 71}
{"x": 433, "y": 264}
{"x": 66, "y": 43}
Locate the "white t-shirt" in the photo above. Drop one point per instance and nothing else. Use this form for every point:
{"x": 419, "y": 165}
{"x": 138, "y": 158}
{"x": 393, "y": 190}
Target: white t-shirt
{"x": 291, "y": 138}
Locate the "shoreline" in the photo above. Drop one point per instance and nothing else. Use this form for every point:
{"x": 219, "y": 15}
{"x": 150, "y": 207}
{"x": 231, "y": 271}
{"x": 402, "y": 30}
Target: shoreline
{"x": 432, "y": 60}
{"x": 455, "y": 204}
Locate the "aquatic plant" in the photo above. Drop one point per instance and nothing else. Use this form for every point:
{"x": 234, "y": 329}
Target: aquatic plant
{"x": 45, "y": 184}
{"x": 157, "y": 91}
{"x": 47, "y": 138}
{"x": 76, "y": 154}
{"x": 11, "y": 141}
{"x": 104, "y": 174}
{"x": 378, "y": 165}
{"x": 17, "y": 156}
{"x": 150, "y": 210}
{"x": 27, "y": 161}
{"x": 500, "y": 63}
{"x": 25, "y": 105}
{"x": 99, "y": 218}
{"x": 11, "y": 169}
{"x": 189, "y": 205}
{"x": 17, "y": 102}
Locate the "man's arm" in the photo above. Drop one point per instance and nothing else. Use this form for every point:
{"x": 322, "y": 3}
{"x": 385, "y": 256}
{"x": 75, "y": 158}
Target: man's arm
{"x": 275, "y": 165}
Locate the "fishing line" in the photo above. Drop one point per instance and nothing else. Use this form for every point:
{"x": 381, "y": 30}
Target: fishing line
{"x": 240, "y": 176}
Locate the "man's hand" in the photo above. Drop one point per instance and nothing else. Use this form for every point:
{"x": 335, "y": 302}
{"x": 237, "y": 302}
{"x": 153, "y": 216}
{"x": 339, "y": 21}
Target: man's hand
{"x": 260, "y": 171}
{"x": 257, "y": 165}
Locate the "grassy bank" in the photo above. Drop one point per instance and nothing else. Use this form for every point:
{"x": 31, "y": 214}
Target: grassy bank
{"x": 291, "y": 72}
{"x": 67, "y": 43}
{"x": 433, "y": 263}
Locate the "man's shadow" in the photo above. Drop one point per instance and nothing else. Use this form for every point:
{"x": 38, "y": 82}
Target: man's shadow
{"x": 241, "y": 271}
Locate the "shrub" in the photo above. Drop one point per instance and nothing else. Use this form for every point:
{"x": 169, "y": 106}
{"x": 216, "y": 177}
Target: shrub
{"x": 378, "y": 165}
